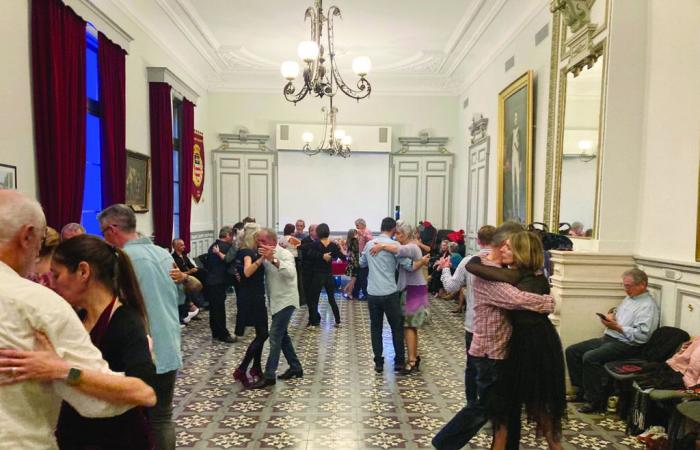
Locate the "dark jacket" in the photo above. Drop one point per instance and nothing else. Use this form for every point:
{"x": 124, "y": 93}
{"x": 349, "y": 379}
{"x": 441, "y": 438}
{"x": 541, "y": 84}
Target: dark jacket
{"x": 217, "y": 267}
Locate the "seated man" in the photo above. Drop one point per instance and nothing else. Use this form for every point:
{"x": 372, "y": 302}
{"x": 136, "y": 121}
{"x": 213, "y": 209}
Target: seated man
{"x": 627, "y": 329}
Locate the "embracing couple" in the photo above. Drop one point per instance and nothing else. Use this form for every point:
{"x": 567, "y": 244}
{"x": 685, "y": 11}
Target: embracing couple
{"x": 515, "y": 349}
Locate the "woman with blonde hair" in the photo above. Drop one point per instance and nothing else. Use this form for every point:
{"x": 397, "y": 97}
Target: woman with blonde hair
{"x": 533, "y": 373}
{"x": 412, "y": 286}
{"x": 42, "y": 267}
{"x": 251, "y": 290}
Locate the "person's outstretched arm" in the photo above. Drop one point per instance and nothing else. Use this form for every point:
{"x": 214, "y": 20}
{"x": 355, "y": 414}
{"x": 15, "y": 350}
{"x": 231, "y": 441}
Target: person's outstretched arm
{"x": 510, "y": 276}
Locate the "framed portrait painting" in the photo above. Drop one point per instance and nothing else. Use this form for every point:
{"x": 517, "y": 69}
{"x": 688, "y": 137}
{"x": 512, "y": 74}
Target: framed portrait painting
{"x": 137, "y": 181}
{"x": 515, "y": 132}
{"x": 8, "y": 176}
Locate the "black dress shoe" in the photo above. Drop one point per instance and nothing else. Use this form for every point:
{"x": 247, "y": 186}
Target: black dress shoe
{"x": 590, "y": 408}
{"x": 227, "y": 339}
{"x": 400, "y": 368}
{"x": 379, "y": 369}
{"x": 262, "y": 383}
{"x": 291, "y": 373}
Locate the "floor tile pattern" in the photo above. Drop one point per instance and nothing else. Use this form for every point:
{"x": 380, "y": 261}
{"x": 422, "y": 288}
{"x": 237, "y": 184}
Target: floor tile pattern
{"x": 341, "y": 403}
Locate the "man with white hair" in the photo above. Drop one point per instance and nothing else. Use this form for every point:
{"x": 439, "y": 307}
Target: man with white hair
{"x": 155, "y": 271}
{"x": 71, "y": 230}
{"x": 30, "y": 401}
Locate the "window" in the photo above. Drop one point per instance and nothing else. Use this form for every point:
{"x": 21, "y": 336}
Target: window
{"x": 92, "y": 193}
{"x": 177, "y": 146}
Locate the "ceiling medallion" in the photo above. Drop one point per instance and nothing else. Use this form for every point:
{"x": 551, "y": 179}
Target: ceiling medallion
{"x": 319, "y": 79}
{"x": 338, "y": 143}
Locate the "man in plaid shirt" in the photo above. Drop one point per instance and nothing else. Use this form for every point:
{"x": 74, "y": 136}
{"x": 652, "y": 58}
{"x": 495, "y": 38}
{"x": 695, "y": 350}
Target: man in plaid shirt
{"x": 492, "y": 332}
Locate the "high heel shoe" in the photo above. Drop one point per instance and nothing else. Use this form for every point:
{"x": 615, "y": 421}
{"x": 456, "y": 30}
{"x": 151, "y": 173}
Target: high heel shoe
{"x": 240, "y": 375}
{"x": 409, "y": 368}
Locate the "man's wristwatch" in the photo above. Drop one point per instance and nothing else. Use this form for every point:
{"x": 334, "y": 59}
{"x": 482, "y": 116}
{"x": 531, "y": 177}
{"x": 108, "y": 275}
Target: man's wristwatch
{"x": 73, "y": 378}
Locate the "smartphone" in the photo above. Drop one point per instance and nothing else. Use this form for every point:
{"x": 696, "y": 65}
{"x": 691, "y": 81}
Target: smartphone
{"x": 602, "y": 316}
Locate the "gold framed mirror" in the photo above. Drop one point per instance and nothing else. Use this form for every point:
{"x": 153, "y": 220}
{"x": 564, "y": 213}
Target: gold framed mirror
{"x": 579, "y": 148}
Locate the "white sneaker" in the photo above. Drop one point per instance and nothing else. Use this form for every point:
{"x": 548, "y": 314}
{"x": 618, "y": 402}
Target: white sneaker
{"x": 191, "y": 315}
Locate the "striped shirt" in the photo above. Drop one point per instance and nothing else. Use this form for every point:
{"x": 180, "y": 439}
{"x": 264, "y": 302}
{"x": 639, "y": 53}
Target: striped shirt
{"x": 491, "y": 327}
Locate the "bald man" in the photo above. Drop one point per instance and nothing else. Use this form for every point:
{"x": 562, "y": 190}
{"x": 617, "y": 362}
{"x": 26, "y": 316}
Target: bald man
{"x": 30, "y": 401}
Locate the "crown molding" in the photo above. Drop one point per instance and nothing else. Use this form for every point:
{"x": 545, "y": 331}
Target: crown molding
{"x": 126, "y": 9}
{"x": 460, "y": 31}
{"x": 90, "y": 12}
{"x": 210, "y": 55}
{"x": 500, "y": 48}
{"x": 164, "y": 75}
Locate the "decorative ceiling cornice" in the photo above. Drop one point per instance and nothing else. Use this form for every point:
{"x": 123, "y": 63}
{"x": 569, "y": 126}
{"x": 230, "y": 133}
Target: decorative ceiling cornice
{"x": 426, "y": 72}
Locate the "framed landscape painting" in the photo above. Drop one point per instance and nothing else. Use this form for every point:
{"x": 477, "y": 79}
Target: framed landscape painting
{"x": 515, "y": 132}
{"x": 137, "y": 181}
{"x": 8, "y": 176}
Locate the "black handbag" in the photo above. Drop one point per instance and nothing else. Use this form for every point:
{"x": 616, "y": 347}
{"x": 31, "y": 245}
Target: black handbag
{"x": 550, "y": 241}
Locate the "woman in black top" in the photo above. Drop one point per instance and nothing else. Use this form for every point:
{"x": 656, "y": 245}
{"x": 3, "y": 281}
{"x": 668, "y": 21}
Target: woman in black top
{"x": 98, "y": 279}
{"x": 251, "y": 290}
{"x": 321, "y": 255}
{"x": 533, "y": 373}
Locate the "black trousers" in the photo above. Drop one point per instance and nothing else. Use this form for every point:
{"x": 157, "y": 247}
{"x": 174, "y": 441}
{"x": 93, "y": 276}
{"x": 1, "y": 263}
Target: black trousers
{"x": 300, "y": 281}
{"x": 361, "y": 282}
{"x": 321, "y": 281}
{"x": 216, "y": 296}
{"x": 306, "y": 279}
{"x": 254, "y": 351}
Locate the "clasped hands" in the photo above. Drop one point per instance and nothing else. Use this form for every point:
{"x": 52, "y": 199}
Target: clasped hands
{"x": 443, "y": 263}
{"x": 267, "y": 252}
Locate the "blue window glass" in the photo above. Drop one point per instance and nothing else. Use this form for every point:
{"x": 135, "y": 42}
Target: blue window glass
{"x": 92, "y": 193}
{"x": 92, "y": 77}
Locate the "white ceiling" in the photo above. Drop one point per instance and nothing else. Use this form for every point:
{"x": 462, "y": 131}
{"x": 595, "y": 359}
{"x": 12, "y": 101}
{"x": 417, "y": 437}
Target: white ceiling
{"x": 416, "y": 46}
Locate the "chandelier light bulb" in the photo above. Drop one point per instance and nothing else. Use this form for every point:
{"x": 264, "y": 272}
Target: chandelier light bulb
{"x": 290, "y": 70}
{"x": 361, "y": 66}
{"x": 339, "y": 134}
{"x": 308, "y": 51}
{"x": 307, "y": 137}
{"x": 346, "y": 140}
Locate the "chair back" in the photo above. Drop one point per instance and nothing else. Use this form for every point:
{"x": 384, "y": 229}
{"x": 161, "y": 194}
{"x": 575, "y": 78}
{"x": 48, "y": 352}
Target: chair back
{"x": 663, "y": 343}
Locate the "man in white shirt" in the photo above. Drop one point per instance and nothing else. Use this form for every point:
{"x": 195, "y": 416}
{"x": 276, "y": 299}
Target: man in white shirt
{"x": 452, "y": 283}
{"x": 33, "y": 383}
{"x": 283, "y": 298}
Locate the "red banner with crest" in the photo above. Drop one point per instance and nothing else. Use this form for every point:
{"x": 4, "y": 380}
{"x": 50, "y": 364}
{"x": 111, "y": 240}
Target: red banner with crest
{"x": 198, "y": 166}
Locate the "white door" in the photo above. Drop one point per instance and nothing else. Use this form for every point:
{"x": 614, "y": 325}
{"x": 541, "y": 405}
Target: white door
{"x": 477, "y": 197}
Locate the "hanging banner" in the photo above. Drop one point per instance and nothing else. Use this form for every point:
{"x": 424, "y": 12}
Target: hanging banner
{"x": 198, "y": 166}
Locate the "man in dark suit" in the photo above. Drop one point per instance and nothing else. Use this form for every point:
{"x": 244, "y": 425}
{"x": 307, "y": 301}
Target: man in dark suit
{"x": 216, "y": 282}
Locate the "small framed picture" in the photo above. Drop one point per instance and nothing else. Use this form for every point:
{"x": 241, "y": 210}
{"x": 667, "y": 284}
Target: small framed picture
{"x": 8, "y": 176}
{"x": 137, "y": 181}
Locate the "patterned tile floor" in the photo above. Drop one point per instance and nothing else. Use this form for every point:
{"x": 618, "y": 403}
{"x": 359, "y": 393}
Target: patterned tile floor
{"x": 341, "y": 403}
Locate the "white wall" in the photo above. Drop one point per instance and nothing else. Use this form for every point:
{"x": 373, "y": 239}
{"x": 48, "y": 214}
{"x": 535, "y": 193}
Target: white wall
{"x": 407, "y": 115}
{"x": 668, "y": 197}
{"x": 483, "y": 99}
{"x": 16, "y": 132}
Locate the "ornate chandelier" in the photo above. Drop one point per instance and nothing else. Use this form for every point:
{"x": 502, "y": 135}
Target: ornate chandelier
{"x": 318, "y": 79}
{"x": 338, "y": 142}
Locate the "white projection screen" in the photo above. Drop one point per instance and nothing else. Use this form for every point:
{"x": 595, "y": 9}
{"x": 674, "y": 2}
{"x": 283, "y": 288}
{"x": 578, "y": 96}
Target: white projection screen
{"x": 333, "y": 190}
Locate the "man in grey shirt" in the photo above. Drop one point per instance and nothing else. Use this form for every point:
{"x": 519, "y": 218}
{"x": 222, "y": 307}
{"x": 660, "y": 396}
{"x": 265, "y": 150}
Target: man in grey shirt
{"x": 383, "y": 297}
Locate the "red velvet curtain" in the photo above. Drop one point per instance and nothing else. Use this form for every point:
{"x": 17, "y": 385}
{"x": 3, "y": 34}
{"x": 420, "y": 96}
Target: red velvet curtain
{"x": 60, "y": 107}
{"x": 186, "y": 171}
{"x": 112, "y": 74}
{"x": 162, "y": 162}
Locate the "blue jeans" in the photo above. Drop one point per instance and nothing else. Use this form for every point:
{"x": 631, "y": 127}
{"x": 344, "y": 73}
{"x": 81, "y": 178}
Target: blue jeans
{"x": 280, "y": 340}
{"x": 469, "y": 420}
{"x": 470, "y": 371}
{"x": 391, "y": 306}
{"x": 161, "y": 415}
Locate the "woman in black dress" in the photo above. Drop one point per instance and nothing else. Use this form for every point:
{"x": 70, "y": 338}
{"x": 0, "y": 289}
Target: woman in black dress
{"x": 98, "y": 279}
{"x": 321, "y": 254}
{"x": 533, "y": 373}
{"x": 251, "y": 290}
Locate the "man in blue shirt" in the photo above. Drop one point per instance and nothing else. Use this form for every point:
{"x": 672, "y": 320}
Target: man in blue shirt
{"x": 383, "y": 297}
{"x": 157, "y": 276}
{"x": 628, "y": 328}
